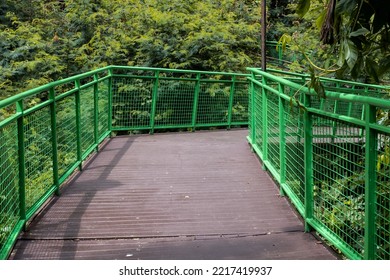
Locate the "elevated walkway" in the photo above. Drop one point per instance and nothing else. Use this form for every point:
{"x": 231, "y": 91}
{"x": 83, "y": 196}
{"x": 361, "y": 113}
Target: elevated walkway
{"x": 194, "y": 195}
{"x": 197, "y": 195}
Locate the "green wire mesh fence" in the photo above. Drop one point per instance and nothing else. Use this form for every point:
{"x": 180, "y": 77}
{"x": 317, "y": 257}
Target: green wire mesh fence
{"x": 330, "y": 155}
{"x": 47, "y": 133}
{"x": 149, "y": 99}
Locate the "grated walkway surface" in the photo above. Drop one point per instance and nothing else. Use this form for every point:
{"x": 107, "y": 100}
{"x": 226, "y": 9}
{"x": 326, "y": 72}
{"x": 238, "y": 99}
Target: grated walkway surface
{"x": 199, "y": 195}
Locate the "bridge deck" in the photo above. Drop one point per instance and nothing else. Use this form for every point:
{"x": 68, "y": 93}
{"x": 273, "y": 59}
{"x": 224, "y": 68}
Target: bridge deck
{"x": 183, "y": 196}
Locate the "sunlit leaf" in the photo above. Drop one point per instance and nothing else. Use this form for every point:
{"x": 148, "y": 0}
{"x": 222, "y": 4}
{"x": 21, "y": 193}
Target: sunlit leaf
{"x": 303, "y": 7}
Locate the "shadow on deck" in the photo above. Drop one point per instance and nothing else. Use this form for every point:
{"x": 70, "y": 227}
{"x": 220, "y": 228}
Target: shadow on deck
{"x": 183, "y": 196}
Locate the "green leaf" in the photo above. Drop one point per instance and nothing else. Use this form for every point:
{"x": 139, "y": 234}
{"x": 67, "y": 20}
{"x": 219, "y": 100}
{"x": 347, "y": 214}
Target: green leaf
{"x": 346, "y": 6}
{"x": 372, "y": 69}
{"x": 321, "y": 19}
{"x": 303, "y": 7}
{"x": 351, "y": 54}
{"x": 348, "y": 53}
{"x": 284, "y": 40}
{"x": 359, "y": 32}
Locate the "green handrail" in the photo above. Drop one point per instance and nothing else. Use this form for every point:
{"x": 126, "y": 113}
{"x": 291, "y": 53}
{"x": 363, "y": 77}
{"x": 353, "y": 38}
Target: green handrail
{"x": 47, "y": 132}
{"x": 330, "y": 156}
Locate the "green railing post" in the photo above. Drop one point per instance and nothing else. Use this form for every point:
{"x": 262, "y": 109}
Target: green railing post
{"x": 370, "y": 184}
{"x": 78, "y": 124}
{"x": 22, "y": 163}
{"x": 196, "y": 102}
{"x": 96, "y": 111}
{"x": 265, "y": 122}
{"x": 231, "y": 99}
{"x": 154, "y": 101}
{"x": 110, "y": 97}
{"x": 308, "y": 156}
{"x": 53, "y": 121}
{"x": 252, "y": 110}
{"x": 334, "y": 126}
{"x": 282, "y": 139}
{"x": 280, "y": 55}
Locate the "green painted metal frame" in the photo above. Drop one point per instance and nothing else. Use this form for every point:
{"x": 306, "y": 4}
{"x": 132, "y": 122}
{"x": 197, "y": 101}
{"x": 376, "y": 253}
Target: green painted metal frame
{"x": 159, "y": 75}
{"x": 336, "y": 93}
{"x": 91, "y": 82}
{"x": 272, "y": 82}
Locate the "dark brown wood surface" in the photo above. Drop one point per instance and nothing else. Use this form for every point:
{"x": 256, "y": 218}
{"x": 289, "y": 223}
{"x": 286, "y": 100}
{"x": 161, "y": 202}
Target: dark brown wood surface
{"x": 199, "y": 195}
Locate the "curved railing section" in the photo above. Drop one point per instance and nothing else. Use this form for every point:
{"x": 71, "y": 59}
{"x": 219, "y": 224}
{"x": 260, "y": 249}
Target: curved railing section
{"x": 331, "y": 156}
{"x": 46, "y": 133}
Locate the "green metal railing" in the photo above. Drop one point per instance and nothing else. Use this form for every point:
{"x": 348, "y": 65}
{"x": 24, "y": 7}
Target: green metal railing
{"x": 331, "y": 156}
{"x": 46, "y": 133}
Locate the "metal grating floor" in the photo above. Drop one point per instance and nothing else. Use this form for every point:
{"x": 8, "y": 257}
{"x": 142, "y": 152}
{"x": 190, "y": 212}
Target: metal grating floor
{"x": 199, "y": 195}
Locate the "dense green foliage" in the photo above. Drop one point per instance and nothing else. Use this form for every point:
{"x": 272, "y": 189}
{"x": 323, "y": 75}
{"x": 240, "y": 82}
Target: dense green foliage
{"x": 358, "y": 32}
{"x": 41, "y": 41}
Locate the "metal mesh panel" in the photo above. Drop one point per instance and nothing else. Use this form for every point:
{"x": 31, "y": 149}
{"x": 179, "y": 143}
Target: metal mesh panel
{"x": 132, "y": 102}
{"x": 250, "y": 115}
{"x": 340, "y": 177}
{"x": 9, "y": 180}
{"x": 213, "y": 103}
{"x": 383, "y": 199}
{"x": 63, "y": 88}
{"x": 343, "y": 108}
{"x": 66, "y": 134}
{"x": 7, "y": 111}
{"x": 383, "y": 117}
{"x": 294, "y": 151}
{"x": 103, "y": 110}
{"x": 258, "y": 109}
{"x": 339, "y": 181}
{"x": 87, "y": 119}
{"x": 35, "y": 99}
{"x": 240, "y": 103}
{"x": 175, "y": 102}
{"x": 38, "y": 155}
{"x": 273, "y": 131}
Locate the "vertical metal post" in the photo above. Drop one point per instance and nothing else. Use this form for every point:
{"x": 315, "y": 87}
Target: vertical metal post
{"x": 231, "y": 99}
{"x": 308, "y": 156}
{"x": 252, "y": 110}
{"x": 370, "y": 184}
{"x": 196, "y": 102}
{"x": 300, "y": 125}
{"x": 334, "y": 124}
{"x": 110, "y": 98}
{"x": 96, "y": 111}
{"x": 282, "y": 139}
{"x": 265, "y": 122}
{"x": 350, "y": 103}
{"x": 53, "y": 121}
{"x": 280, "y": 55}
{"x": 78, "y": 124}
{"x": 154, "y": 101}
{"x": 263, "y": 35}
{"x": 22, "y": 163}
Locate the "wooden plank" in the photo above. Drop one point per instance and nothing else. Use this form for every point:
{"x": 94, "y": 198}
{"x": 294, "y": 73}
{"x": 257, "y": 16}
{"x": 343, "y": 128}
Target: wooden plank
{"x": 174, "y": 185}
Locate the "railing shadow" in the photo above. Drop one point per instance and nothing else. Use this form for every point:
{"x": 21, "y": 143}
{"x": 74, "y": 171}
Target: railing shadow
{"x": 85, "y": 189}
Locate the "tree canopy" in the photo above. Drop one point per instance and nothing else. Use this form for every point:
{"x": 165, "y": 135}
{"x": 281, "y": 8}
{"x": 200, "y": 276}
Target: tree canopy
{"x": 41, "y": 41}
{"x": 358, "y": 31}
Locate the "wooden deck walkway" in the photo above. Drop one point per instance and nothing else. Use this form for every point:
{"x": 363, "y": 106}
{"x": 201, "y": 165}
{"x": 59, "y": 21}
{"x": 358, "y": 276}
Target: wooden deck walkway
{"x": 184, "y": 196}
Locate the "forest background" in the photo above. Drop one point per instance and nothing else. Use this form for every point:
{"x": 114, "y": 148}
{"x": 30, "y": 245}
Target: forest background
{"x": 46, "y": 40}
